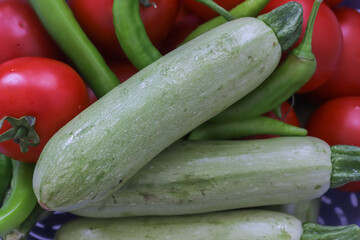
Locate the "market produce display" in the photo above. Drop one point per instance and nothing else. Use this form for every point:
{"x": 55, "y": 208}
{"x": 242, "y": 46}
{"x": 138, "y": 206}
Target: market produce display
{"x": 179, "y": 119}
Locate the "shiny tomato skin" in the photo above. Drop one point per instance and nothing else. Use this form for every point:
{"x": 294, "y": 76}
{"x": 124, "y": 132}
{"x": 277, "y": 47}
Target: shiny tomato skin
{"x": 96, "y": 19}
{"x": 338, "y": 122}
{"x": 123, "y": 70}
{"x": 206, "y": 13}
{"x": 326, "y": 42}
{"x": 345, "y": 81}
{"x": 47, "y": 89}
{"x": 22, "y": 34}
{"x": 182, "y": 28}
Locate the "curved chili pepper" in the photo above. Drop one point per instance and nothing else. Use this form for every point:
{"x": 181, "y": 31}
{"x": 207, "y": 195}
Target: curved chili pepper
{"x": 296, "y": 70}
{"x": 217, "y": 8}
{"x": 20, "y": 200}
{"x": 248, "y": 8}
{"x": 244, "y": 128}
{"x": 59, "y": 21}
{"x": 132, "y": 35}
{"x": 23, "y": 230}
{"x": 5, "y": 175}
{"x": 135, "y": 42}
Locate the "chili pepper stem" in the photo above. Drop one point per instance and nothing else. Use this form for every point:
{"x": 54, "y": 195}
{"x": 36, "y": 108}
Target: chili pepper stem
{"x": 217, "y": 8}
{"x": 304, "y": 49}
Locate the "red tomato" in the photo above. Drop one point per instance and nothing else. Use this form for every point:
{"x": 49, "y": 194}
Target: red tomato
{"x": 338, "y": 122}
{"x": 345, "y": 81}
{"x": 182, "y": 28}
{"x": 206, "y": 13}
{"x": 326, "y": 42}
{"x": 332, "y": 3}
{"x": 122, "y": 69}
{"x": 22, "y": 34}
{"x": 96, "y": 18}
{"x": 44, "y": 88}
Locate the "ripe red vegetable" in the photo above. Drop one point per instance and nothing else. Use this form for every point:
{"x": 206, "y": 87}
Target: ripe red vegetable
{"x": 44, "y": 88}
{"x": 326, "y": 42}
{"x": 96, "y": 18}
{"x": 338, "y": 122}
{"x": 346, "y": 80}
{"x": 22, "y": 34}
{"x": 206, "y": 13}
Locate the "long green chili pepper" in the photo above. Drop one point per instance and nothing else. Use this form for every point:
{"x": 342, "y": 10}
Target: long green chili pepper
{"x": 217, "y": 8}
{"x": 132, "y": 35}
{"x": 22, "y": 231}
{"x": 135, "y": 42}
{"x": 296, "y": 70}
{"x": 248, "y": 8}
{"x": 5, "y": 175}
{"x": 20, "y": 200}
{"x": 243, "y": 128}
{"x": 58, "y": 19}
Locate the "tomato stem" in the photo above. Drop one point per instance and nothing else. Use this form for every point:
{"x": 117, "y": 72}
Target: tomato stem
{"x": 22, "y": 132}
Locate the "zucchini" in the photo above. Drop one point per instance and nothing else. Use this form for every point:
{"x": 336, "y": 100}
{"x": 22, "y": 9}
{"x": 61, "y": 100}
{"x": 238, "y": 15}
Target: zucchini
{"x": 227, "y": 225}
{"x": 305, "y": 210}
{"x": 107, "y": 143}
{"x": 203, "y": 176}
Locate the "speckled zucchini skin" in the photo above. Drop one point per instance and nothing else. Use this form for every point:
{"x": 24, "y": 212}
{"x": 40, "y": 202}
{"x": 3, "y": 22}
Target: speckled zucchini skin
{"x": 203, "y": 176}
{"x": 105, "y": 145}
{"x": 229, "y": 225}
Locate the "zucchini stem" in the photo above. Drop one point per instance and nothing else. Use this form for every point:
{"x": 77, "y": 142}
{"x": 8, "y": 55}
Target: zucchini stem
{"x": 313, "y": 231}
{"x": 346, "y": 164}
{"x": 286, "y": 21}
{"x": 293, "y": 73}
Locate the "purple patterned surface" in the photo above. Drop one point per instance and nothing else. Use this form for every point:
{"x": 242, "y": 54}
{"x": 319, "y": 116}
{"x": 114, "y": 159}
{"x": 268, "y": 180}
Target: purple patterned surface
{"x": 337, "y": 208}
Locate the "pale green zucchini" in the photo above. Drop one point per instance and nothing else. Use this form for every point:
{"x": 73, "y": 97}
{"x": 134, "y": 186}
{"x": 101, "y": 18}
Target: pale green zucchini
{"x": 105, "y": 145}
{"x": 203, "y": 176}
{"x": 227, "y": 225}
{"x": 305, "y": 210}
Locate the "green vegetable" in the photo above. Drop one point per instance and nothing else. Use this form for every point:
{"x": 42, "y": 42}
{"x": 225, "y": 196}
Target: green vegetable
{"x": 248, "y": 8}
{"x": 106, "y": 144}
{"x": 22, "y": 231}
{"x": 202, "y": 176}
{"x": 285, "y": 21}
{"x": 248, "y": 127}
{"x": 227, "y": 225}
{"x": 59, "y": 21}
{"x": 5, "y": 175}
{"x": 305, "y": 211}
{"x": 20, "y": 200}
{"x": 217, "y": 8}
{"x": 296, "y": 70}
{"x": 131, "y": 33}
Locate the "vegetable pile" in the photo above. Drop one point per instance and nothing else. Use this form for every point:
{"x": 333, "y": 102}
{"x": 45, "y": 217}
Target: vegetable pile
{"x": 177, "y": 119}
